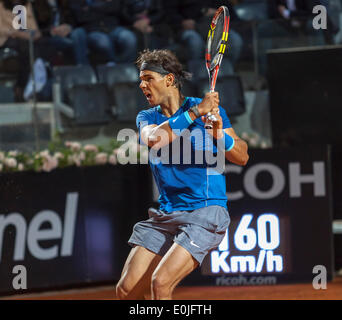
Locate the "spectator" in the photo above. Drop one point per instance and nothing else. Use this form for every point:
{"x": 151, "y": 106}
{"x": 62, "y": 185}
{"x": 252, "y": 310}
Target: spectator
{"x": 19, "y": 40}
{"x": 291, "y": 24}
{"x": 335, "y": 12}
{"x": 182, "y": 16}
{"x": 296, "y": 12}
{"x": 235, "y": 40}
{"x": 56, "y": 23}
{"x": 334, "y": 8}
{"x": 146, "y": 19}
{"x": 106, "y": 35}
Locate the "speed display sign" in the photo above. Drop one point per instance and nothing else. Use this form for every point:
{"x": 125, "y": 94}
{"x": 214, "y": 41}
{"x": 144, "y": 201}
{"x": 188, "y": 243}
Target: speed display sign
{"x": 280, "y": 207}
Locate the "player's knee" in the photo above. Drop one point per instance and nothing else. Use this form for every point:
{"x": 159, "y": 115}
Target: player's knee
{"x": 122, "y": 290}
{"x": 160, "y": 285}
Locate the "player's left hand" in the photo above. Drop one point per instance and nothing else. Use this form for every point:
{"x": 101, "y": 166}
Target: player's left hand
{"x": 216, "y": 131}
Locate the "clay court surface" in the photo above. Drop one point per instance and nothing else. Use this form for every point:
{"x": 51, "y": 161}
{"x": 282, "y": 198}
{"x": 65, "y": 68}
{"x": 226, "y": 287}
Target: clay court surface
{"x": 275, "y": 292}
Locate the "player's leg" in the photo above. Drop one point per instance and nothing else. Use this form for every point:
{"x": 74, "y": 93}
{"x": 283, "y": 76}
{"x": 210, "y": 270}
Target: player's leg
{"x": 136, "y": 275}
{"x": 175, "y": 266}
{"x": 200, "y": 231}
{"x": 150, "y": 239}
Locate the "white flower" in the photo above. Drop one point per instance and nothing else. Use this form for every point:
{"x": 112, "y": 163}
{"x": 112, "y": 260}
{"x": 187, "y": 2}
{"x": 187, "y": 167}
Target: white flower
{"x": 244, "y": 136}
{"x": 77, "y": 160}
{"x": 45, "y": 153}
{"x": 112, "y": 159}
{"x": 76, "y": 146}
{"x": 54, "y": 161}
{"x": 90, "y": 147}
{"x": 253, "y": 142}
{"x": 264, "y": 145}
{"x": 10, "y": 162}
{"x": 256, "y": 136}
{"x": 70, "y": 159}
{"x": 68, "y": 143}
{"x": 13, "y": 153}
{"x": 49, "y": 163}
{"x": 74, "y": 159}
{"x": 101, "y": 158}
{"x": 58, "y": 155}
{"x": 20, "y": 167}
{"x": 82, "y": 156}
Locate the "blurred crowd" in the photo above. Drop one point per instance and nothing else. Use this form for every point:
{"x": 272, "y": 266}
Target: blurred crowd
{"x": 83, "y": 32}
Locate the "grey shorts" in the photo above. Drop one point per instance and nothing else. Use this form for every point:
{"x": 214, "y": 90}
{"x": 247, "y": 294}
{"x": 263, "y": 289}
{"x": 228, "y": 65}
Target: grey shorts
{"x": 198, "y": 231}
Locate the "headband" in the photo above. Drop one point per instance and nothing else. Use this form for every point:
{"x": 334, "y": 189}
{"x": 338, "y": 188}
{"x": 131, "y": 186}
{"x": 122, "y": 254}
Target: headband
{"x": 153, "y": 67}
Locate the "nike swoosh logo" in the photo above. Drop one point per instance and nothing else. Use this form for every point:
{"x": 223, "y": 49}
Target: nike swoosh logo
{"x": 194, "y": 244}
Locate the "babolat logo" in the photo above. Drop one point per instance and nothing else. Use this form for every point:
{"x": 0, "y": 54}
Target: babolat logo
{"x": 32, "y": 233}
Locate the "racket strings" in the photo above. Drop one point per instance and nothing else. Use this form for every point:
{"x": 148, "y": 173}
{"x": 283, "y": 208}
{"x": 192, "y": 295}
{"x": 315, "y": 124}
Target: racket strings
{"x": 217, "y": 40}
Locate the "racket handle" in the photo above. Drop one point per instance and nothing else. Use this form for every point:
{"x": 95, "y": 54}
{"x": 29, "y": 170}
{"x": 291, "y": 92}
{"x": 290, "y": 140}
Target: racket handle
{"x": 209, "y": 118}
{"x": 209, "y": 121}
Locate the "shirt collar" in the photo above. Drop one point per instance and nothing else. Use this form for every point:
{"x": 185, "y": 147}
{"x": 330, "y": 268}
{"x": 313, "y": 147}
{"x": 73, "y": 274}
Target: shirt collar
{"x": 159, "y": 109}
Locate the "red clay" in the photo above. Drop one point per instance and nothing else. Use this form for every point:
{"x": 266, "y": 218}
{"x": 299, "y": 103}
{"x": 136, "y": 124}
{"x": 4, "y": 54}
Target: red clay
{"x": 277, "y": 292}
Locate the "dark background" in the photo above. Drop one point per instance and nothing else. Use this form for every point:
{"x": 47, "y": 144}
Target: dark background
{"x": 113, "y": 198}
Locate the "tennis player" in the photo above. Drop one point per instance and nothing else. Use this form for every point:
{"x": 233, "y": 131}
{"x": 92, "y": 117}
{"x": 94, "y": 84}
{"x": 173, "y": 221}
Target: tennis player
{"x": 192, "y": 217}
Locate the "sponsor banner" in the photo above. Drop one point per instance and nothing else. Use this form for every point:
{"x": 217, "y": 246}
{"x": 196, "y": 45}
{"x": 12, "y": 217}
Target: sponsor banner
{"x": 69, "y": 226}
{"x": 281, "y": 220}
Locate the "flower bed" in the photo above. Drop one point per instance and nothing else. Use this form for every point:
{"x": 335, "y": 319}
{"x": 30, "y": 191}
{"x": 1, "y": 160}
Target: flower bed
{"x": 72, "y": 153}
{"x": 61, "y": 155}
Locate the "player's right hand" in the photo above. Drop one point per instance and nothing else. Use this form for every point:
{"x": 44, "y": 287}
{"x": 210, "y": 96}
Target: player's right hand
{"x": 210, "y": 102}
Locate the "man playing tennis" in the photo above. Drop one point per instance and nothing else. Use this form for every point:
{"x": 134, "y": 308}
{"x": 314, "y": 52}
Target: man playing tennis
{"x": 193, "y": 216}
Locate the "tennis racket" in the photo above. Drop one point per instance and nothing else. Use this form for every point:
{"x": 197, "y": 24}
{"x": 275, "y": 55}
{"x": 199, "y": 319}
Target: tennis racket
{"x": 216, "y": 45}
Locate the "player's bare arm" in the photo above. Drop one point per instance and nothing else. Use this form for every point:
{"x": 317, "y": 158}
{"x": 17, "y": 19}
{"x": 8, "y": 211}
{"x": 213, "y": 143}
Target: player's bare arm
{"x": 158, "y": 136}
{"x": 239, "y": 153}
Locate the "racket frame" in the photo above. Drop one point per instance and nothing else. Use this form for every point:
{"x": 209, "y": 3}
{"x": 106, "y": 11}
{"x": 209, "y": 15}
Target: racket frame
{"x": 217, "y": 59}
